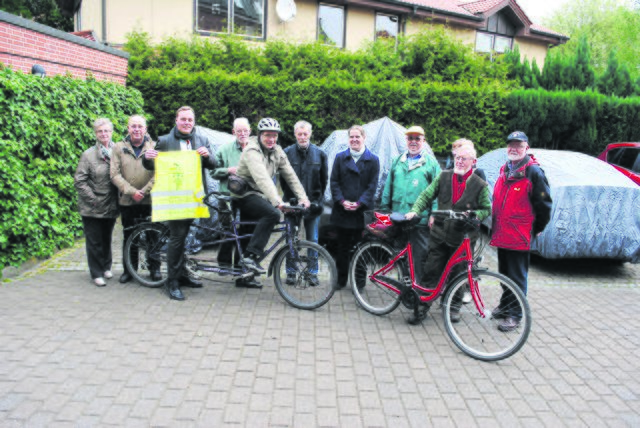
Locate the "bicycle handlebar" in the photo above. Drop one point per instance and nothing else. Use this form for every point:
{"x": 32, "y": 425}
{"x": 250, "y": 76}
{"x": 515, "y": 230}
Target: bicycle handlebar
{"x": 458, "y": 215}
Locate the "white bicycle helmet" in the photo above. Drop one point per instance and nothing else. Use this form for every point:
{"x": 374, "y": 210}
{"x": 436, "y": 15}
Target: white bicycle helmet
{"x": 268, "y": 124}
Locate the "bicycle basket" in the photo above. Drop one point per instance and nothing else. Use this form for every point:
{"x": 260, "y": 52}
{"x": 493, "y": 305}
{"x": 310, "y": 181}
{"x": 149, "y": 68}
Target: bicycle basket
{"x": 379, "y": 224}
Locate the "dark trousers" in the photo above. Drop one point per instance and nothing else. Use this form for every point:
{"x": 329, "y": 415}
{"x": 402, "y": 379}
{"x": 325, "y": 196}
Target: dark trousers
{"x": 130, "y": 214}
{"x": 229, "y": 249}
{"x": 515, "y": 265}
{"x": 178, "y": 229}
{"x": 256, "y": 208}
{"x": 419, "y": 248}
{"x": 437, "y": 258}
{"x": 347, "y": 239}
{"x": 98, "y": 233}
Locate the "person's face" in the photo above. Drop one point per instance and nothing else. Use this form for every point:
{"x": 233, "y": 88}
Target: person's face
{"x": 103, "y": 134}
{"x": 242, "y": 133}
{"x": 516, "y": 150}
{"x": 137, "y": 130}
{"x": 415, "y": 143}
{"x": 463, "y": 161}
{"x": 185, "y": 121}
{"x": 303, "y": 136}
{"x": 269, "y": 139}
{"x": 356, "y": 140}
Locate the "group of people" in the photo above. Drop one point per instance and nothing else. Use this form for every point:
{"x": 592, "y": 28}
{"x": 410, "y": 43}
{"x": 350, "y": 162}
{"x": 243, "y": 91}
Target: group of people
{"x": 118, "y": 178}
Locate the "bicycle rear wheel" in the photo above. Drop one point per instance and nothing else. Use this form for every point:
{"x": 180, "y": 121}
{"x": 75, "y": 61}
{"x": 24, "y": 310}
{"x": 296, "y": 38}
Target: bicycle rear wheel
{"x": 306, "y": 280}
{"x": 373, "y": 297}
{"x": 481, "y": 337}
{"x": 146, "y": 249}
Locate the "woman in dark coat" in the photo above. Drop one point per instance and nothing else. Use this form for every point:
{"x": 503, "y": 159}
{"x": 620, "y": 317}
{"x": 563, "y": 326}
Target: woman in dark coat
{"x": 98, "y": 201}
{"x": 354, "y": 179}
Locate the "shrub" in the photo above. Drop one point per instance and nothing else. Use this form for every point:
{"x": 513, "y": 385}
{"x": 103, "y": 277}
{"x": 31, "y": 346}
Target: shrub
{"x": 45, "y": 125}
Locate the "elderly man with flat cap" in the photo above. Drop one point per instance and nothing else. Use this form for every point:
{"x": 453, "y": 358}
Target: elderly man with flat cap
{"x": 411, "y": 173}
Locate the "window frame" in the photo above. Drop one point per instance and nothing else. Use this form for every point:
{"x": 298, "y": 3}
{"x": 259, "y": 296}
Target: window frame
{"x": 230, "y": 19}
{"x": 344, "y": 24}
{"x": 398, "y": 24}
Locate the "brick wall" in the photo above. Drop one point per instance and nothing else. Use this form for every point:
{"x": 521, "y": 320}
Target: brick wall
{"x": 24, "y": 43}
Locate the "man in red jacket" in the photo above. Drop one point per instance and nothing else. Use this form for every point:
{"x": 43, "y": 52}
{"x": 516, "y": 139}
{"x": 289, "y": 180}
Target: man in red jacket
{"x": 521, "y": 210}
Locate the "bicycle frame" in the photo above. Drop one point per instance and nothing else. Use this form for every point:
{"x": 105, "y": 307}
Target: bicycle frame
{"x": 461, "y": 255}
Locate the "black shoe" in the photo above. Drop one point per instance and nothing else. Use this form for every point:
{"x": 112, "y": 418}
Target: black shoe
{"x": 187, "y": 281}
{"x": 314, "y": 281}
{"x": 173, "y": 288}
{"x": 248, "y": 283}
{"x": 125, "y": 277}
{"x": 251, "y": 263}
{"x": 508, "y": 324}
{"x": 419, "y": 315}
{"x": 291, "y": 279}
{"x": 498, "y": 313}
{"x": 454, "y": 315}
{"x": 155, "y": 275}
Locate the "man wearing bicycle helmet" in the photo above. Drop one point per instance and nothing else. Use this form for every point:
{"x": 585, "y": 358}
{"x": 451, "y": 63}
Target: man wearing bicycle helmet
{"x": 259, "y": 163}
{"x": 458, "y": 190}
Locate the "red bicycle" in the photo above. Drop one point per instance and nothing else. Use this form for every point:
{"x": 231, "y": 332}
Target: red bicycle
{"x": 382, "y": 277}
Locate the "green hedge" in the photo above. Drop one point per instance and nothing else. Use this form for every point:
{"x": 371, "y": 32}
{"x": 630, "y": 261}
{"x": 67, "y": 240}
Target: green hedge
{"x": 574, "y": 120}
{"x": 446, "y": 111}
{"x": 45, "y": 125}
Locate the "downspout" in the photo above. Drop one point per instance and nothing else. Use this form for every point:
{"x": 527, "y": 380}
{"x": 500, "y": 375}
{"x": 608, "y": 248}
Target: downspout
{"x": 104, "y": 21}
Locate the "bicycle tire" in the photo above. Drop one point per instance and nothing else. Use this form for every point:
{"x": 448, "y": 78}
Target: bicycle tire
{"x": 477, "y": 336}
{"x": 371, "y": 296}
{"x": 148, "y": 241}
{"x": 295, "y": 279}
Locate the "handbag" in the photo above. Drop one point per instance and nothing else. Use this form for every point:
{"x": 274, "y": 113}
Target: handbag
{"x": 238, "y": 185}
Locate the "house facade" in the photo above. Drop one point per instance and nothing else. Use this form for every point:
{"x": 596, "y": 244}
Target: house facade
{"x": 491, "y": 26}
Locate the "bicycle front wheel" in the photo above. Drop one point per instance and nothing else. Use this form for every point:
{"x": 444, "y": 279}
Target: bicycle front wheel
{"x": 487, "y": 337}
{"x": 146, "y": 251}
{"x": 373, "y": 297}
{"x": 306, "y": 279}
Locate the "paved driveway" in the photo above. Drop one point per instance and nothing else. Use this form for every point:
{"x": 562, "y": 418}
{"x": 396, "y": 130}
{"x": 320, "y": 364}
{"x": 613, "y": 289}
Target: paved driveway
{"x": 72, "y": 354}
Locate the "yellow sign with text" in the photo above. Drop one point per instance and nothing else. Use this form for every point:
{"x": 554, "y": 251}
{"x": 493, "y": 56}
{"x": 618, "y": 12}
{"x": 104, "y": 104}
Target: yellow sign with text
{"x": 177, "y": 191}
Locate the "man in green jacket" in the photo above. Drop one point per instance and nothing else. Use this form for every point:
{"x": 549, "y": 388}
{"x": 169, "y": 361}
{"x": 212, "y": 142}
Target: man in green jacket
{"x": 227, "y": 159}
{"x": 410, "y": 174}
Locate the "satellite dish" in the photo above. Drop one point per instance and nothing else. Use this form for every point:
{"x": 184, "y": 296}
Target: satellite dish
{"x": 286, "y": 10}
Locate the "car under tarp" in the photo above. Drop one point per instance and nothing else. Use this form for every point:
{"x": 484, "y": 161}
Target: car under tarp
{"x": 596, "y": 209}
{"x": 384, "y": 137}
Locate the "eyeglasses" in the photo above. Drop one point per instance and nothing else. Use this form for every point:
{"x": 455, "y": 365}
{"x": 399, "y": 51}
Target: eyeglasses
{"x": 414, "y": 137}
{"x": 243, "y": 131}
{"x": 462, "y": 159}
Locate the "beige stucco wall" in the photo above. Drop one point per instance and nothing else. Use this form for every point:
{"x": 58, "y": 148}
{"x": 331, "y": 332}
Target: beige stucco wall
{"x": 360, "y": 27}
{"x": 531, "y": 50}
{"x": 158, "y": 18}
{"x": 302, "y": 28}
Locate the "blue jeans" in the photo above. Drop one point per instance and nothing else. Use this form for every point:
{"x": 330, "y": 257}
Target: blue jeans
{"x": 311, "y": 231}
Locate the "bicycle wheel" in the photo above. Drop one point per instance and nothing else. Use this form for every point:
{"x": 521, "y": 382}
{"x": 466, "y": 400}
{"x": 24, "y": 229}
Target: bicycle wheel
{"x": 373, "y": 297}
{"x": 308, "y": 279}
{"x": 146, "y": 249}
{"x": 478, "y": 336}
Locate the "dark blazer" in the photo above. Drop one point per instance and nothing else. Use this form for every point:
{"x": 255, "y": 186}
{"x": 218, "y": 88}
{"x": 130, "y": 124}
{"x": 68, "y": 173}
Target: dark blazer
{"x": 355, "y": 183}
{"x": 311, "y": 167}
{"x": 169, "y": 143}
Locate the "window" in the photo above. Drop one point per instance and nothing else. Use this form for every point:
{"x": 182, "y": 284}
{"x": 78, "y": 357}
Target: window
{"x": 497, "y": 35}
{"x": 625, "y": 157}
{"x": 387, "y": 26}
{"x": 331, "y": 25}
{"x": 242, "y": 17}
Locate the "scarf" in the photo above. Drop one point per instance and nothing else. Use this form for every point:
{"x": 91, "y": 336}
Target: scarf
{"x": 106, "y": 152}
{"x": 459, "y": 184}
{"x": 513, "y": 168}
{"x": 357, "y": 155}
{"x": 180, "y": 136}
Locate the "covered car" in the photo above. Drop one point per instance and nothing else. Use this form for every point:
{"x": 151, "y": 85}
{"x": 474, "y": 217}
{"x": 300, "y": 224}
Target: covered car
{"x": 596, "y": 209}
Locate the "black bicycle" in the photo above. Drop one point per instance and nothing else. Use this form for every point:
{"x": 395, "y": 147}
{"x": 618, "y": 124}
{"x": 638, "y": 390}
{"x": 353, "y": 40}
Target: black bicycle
{"x": 304, "y": 273}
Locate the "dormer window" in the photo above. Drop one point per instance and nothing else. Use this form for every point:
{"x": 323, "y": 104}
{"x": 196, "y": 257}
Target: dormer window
{"x": 497, "y": 35}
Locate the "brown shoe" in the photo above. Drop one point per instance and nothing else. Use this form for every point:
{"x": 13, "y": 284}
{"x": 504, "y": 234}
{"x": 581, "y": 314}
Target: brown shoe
{"x": 508, "y": 324}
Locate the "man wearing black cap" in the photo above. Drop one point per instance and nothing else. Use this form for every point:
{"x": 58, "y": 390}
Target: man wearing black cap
{"x": 521, "y": 210}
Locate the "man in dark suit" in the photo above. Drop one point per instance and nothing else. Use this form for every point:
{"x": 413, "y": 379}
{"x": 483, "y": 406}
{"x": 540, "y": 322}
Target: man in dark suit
{"x": 183, "y": 136}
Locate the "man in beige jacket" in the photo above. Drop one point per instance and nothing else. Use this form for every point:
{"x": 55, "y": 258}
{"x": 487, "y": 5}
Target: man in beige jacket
{"x": 134, "y": 183}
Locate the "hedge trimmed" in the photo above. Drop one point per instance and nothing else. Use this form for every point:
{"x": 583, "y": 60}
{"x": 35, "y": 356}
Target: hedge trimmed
{"x": 446, "y": 111}
{"x": 574, "y": 120}
{"x": 45, "y": 125}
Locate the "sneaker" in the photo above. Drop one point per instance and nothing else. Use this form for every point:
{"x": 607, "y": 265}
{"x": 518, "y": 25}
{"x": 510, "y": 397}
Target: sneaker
{"x": 291, "y": 279}
{"x": 99, "y": 282}
{"x": 466, "y": 297}
{"x": 508, "y": 324}
{"x": 251, "y": 263}
{"x": 108, "y": 275}
{"x": 314, "y": 281}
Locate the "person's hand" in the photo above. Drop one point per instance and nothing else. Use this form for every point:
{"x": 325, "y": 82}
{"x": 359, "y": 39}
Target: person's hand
{"x": 138, "y": 196}
{"x": 431, "y": 220}
{"x": 151, "y": 154}
{"x": 232, "y": 170}
{"x": 305, "y": 203}
{"x": 350, "y": 206}
{"x": 410, "y": 215}
{"x": 202, "y": 151}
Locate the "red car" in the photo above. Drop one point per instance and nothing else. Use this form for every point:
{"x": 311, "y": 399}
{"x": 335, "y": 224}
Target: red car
{"x": 625, "y": 157}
